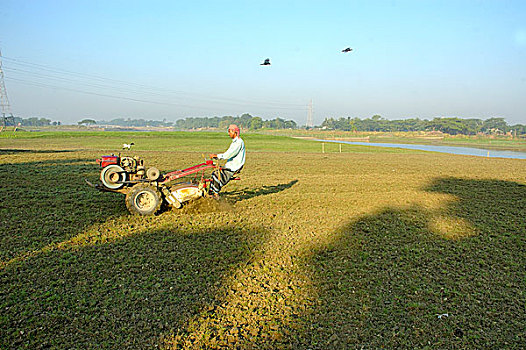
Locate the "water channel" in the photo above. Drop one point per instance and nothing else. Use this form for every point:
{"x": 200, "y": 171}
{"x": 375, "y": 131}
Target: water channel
{"x": 467, "y": 151}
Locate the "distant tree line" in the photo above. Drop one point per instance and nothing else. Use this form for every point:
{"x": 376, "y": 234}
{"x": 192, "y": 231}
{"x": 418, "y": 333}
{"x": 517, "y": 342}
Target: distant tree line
{"x": 133, "y": 122}
{"x": 452, "y": 126}
{"x": 33, "y": 121}
{"x": 245, "y": 121}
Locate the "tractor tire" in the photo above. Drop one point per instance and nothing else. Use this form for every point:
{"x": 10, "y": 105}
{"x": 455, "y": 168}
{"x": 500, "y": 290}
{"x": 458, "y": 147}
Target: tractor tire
{"x": 143, "y": 199}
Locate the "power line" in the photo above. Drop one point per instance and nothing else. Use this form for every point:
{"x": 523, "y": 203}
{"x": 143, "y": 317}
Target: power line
{"x": 95, "y": 93}
{"x": 110, "y": 84}
{"x": 105, "y": 86}
{"x": 105, "y": 95}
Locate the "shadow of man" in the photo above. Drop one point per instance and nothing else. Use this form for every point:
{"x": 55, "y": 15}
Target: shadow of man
{"x": 240, "y": 195}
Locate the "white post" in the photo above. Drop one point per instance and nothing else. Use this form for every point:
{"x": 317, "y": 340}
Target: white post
{"x": 323, "y": 147}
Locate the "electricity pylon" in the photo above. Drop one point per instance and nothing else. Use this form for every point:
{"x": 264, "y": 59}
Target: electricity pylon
{"x": 4, "y": 101}
{"x": 310, "y": 122}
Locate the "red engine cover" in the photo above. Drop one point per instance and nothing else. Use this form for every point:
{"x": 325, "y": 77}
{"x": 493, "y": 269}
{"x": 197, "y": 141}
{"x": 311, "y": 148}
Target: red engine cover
{"x": 108, "y": 160}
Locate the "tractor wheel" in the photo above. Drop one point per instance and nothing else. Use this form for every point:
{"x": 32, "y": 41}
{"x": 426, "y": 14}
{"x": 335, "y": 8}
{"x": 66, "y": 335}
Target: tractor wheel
{"x": 143, "y": 200}
{"x": 112, "y": 176}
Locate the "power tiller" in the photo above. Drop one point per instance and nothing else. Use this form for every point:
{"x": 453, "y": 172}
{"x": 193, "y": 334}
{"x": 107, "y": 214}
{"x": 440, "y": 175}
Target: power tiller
{"x": 147, "y": 189}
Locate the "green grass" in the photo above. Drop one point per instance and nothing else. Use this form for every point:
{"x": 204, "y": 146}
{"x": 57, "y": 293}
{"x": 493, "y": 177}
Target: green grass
{"x": 204, "y": 142}
{"x": 362, "y": 249}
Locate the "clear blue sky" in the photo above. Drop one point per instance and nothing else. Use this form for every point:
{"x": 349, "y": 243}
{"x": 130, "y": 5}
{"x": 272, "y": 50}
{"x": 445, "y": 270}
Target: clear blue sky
{"x": 70, "y": 60}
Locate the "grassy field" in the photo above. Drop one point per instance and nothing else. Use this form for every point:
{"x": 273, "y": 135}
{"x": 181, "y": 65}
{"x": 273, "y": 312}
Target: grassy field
{"x": 364, "y": 249}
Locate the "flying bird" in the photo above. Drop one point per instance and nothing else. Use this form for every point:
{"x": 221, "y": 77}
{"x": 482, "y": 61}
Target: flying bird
{"x": 266, "y": 62}
{"x": 127, "y": 145}
{"x": 347, "y": 50}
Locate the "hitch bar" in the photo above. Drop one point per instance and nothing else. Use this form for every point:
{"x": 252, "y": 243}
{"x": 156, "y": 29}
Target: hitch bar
{"x": 174, "y": 175}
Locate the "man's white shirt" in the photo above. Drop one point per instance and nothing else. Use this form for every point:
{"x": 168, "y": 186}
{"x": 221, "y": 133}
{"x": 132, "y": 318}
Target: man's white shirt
{"x": 235, "y": 155}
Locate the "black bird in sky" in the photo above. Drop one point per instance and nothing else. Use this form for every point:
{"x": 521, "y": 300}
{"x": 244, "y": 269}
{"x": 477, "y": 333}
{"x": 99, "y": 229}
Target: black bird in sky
{"x": 266, "y": 63}
{"x": 347, "y": 50}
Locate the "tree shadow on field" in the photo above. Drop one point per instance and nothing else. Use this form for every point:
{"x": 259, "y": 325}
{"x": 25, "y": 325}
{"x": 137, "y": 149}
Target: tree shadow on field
{"x": 386, "y": 278}
{"x": 9, "y": 151}
{"x": 125, "y": 294}
{"x": 46, "y": 202}
{"x": 240, "y": 195}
